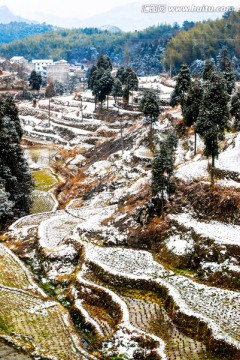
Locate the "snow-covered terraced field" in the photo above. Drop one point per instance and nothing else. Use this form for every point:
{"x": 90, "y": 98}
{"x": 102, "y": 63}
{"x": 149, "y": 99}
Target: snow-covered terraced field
{"x": 124, "y": 297}
{"x": 54, "y": 229}
{"x": 29, "y": 320}
{"x": 219, "y": 232}
{"x": 127, "y": 262}
{"x": 13, "y": 273}
{"x": 193, "y": 170}
{"x": 9, "y": 353}
{"x": 32, "y": 220}
{"x": 42, "y": 202}
{"x": 122, "y": 319}
{"x": 43, "y": 326}
{"x": 221, "y": 308}
{"x": 147, "y": 313}
{"x": 204, "y": 303}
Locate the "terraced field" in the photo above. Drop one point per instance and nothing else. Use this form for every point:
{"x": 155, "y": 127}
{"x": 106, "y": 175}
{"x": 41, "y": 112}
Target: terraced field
{"x": 106, "y": 268}
{"x": 120, "y": 288}
{"x": 123, "y": 300}
{"x": 9, "y": 353}
{"x": 30, "y": 320}
{"x": 147, "y": 312}
{"x": 42, "y": 202}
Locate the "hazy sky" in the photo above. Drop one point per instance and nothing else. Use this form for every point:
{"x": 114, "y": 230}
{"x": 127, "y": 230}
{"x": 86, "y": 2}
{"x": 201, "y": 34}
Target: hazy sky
{"x": 62, "y": 8}
{"x": 82, "y": 9}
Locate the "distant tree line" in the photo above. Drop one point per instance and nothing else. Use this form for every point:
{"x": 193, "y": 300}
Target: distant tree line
{"x": 20, "y": 30}
{"x": 203, "y": 41}
{"x": 141, "y": 50}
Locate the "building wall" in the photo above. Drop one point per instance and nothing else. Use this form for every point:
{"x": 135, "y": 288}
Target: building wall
{"x": 57, "y": 72}
{"x": 40, "y": 66}
{"x": 19, "y": 60}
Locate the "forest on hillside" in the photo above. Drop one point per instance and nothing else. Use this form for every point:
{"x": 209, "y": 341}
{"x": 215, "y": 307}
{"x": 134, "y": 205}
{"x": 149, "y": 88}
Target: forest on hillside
{"x": 20, "y": 30}
{"x": 205, "y": 40}
{"x": 148, "y": 52}
{"x": 141, "y": 49}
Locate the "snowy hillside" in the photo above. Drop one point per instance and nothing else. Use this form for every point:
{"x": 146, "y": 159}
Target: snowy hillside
{"x": 135, "y": 283}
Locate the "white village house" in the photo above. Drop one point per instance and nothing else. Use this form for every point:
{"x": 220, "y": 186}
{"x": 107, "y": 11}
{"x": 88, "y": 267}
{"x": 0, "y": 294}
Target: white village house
{"x": 18, "y": 59}
{"x": 58, "y": 71}
{"x": 40, "y": 65}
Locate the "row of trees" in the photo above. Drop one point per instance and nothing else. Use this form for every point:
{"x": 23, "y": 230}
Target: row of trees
{"x": 102, "y": 83}
{"x": 205, "y": 103}
{"x": 205, "y": 106}
{"x": 15, "y": 176}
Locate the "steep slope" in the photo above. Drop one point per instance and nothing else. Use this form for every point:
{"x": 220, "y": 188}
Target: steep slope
{"x": 136, "y": 283}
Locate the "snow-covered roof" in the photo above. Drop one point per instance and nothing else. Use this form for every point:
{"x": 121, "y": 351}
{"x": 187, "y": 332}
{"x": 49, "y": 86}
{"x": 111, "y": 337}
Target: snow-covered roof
{"x": 42, "y": 61}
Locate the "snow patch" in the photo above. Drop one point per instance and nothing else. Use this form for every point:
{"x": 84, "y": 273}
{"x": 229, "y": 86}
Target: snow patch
{"x": 180, "y": 246}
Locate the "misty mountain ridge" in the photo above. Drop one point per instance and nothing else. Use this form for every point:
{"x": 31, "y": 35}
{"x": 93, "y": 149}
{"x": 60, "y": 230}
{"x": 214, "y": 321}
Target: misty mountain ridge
{"x": 132, "y": 17}
{"x": 127, "y": 17}
{"x": 6, "y": 16}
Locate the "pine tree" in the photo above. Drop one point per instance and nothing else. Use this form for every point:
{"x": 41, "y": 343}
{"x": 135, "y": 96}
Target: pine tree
{"x": 182, "y": 85}
{"x": 130, "y": 82}
{"x": 104, "y": 63}
{"x": 236, "y": 67}
{"x": 6, "y": 206}
{"x": 96, "y": 76}
{"x": 35, "y": 81}
{"x": 72, "y": 83}
{"x": 235, "y": 108}
{"x": 100, "y": 80}
{"x": 150, "y": 108}
{"x": 58, "y": 87}
{"x": 209, "y": 68}
{"x": 105, "y": 85}
{"x": 223, "y": 57}
{"x": 25, "y": 94}
{"x": 120, "y": 74}
{"x": 117, "y": 90}
{"x": 192, "y": 106}
{"x": 213, "y": 116}
{"x": 91, "y": 77}
{"x": 227, "y": 69}
{"x": 49, "y": 93}
{"x": 163, "y": 167}
{"x": 197, "y": 68}
{"x": 15, "y": 176}
{"x": 174, "y": 99}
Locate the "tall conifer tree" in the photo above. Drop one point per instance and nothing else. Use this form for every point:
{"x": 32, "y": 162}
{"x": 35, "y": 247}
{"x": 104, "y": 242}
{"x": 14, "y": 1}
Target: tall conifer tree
{"x": 15, "y": 177}
{"x": 182, "y": 86}
{"x": 213, "y": 116}
{"x": 192, "y": 106}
